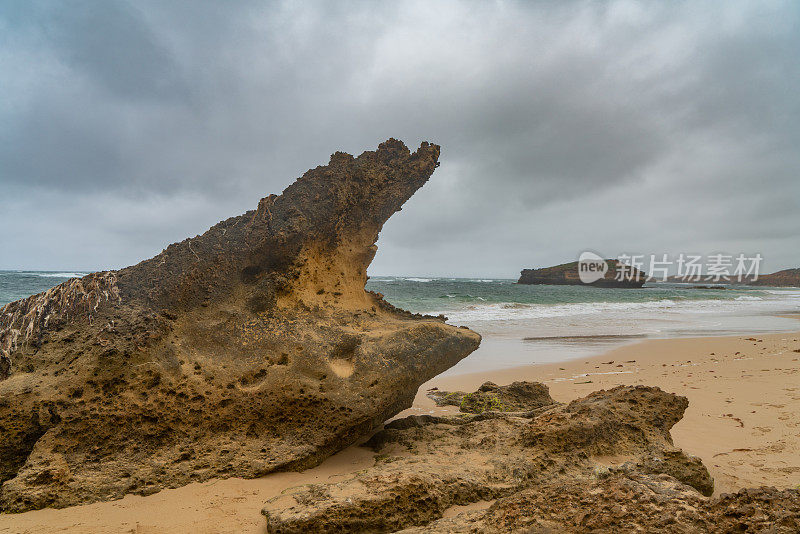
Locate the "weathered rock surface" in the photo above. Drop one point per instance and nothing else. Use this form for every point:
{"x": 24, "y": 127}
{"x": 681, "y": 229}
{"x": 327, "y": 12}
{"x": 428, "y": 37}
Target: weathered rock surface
{"x": 428, "y": 464}
{"x": 249, "y": 349}
{"x": 515, "y": 397}
{"x": 628, "y": 502}
{"x": 567, "y": 275}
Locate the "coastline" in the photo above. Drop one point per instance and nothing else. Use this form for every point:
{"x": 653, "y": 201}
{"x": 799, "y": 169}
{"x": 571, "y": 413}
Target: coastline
{"x": 741, "y": 422}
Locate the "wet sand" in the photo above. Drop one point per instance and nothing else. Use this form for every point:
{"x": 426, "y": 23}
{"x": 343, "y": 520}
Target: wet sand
{"x": 743, "y": 420}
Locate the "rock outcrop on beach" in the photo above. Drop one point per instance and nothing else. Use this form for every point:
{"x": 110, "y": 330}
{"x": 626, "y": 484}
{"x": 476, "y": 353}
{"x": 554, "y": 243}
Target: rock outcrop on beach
{"x": 249, "y": 349}
{"x": 567, "y": 275}
{"x": 428, "y": 464}
{"x": 604, "y": 463}
{"x": 628, "y": 502}
{"x": 515, "y": 397}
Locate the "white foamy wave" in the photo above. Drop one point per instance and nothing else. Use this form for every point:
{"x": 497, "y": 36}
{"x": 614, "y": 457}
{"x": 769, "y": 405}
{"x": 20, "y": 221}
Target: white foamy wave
{"x": 60, "y": 275}
{"x": 514, "y": 311}
{"x": 422, "y": 280}
{"x": 510, "y": 311}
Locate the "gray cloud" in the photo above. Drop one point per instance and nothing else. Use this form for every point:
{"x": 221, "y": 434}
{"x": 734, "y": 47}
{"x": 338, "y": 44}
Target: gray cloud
{"x": 619, "y": 126}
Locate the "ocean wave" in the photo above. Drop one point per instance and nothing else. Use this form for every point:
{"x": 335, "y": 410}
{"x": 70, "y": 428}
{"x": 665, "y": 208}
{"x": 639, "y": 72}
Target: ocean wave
{"x": 748, "y": 297}
{"x": 58, "y": 275}
{"x": 783, "y": 292}
{"x": 421, "y": 280}
{"x": 512, "y": 311}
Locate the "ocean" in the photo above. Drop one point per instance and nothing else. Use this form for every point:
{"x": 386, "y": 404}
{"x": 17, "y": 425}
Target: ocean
{"x": 523, "y": 324}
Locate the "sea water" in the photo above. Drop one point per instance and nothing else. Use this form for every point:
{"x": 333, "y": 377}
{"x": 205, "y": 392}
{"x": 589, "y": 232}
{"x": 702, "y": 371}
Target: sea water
{"x": 524, "y": 324}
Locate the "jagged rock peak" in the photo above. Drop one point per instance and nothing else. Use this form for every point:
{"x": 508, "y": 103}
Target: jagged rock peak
{"x": 250, "y": 348}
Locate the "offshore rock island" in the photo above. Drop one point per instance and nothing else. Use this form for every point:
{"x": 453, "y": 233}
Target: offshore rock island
{"x": 566, "y": 274}
{"x": 251, "y": 348}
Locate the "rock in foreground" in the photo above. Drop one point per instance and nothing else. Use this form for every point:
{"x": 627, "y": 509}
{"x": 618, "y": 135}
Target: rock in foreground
{"x": 429, "y": 464}
{"x": 628, "y": 502}
{"x": 515, "y": 397}
{"x": 249, "y": 349}
{"x": 601, "y": 464}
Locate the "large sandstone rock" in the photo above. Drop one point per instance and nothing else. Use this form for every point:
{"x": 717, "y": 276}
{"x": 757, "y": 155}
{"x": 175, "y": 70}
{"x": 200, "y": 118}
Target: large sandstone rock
{"x": 628, "y": 502}
{"x": 515, "y": 397}
{"x": 429, "y": 464}
{"x": 249, "y": 349}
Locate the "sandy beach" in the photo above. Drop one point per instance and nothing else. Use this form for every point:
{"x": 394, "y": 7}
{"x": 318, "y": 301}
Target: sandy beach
{"x": 743, "y": 391}
{"x": 744, "y": 397}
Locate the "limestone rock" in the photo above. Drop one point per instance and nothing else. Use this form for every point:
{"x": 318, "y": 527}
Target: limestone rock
{"x": 628, "y": 502}
{"x": 428, "y": 464}
{"x": 515, "y": 397}
{"x": 249, "y": 349}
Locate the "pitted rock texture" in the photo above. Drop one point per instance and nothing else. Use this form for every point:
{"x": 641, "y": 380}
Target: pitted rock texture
{"x": 428, "y": 464}
{"x": 515, "y": 397}
{"x": 249, "y": 349}
{"x": 628, "y": 502}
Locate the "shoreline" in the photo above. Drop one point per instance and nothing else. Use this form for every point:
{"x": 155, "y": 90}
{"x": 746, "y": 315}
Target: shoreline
{"x": 745, "y": 431}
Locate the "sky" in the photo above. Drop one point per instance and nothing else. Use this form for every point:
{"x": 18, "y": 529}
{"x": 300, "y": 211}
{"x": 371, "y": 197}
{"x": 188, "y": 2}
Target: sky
{"x": 617, "y": 127}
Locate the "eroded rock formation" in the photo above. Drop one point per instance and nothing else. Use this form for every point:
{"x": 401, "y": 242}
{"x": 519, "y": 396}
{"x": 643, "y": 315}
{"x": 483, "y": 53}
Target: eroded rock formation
{"x": 601, "y": 464}
{"x": 628, "y": 502}
{"x": 249, "y": 349}
{"x": 428, "y": 464}
{"x": 515, "y": 397}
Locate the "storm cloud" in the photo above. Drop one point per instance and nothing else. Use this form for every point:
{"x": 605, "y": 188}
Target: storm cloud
{"x": 620, "y": 127}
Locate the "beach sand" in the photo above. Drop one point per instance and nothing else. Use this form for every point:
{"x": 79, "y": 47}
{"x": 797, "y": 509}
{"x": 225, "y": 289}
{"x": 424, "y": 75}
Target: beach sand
{"x": 743, "y": 420}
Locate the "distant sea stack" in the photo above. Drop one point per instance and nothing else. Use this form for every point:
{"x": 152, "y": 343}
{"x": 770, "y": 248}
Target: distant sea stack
{"x": 567, "y": 274}
{"x": 249, "y": 349}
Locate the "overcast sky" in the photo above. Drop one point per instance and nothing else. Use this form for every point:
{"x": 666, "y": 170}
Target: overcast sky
{"x": 620, "y": 127}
